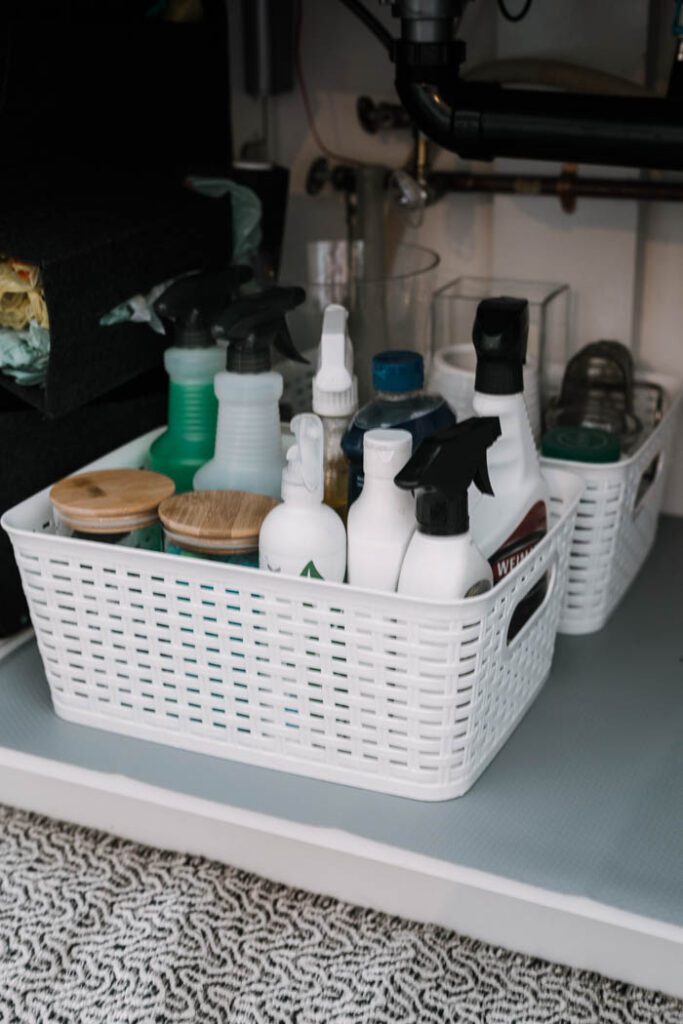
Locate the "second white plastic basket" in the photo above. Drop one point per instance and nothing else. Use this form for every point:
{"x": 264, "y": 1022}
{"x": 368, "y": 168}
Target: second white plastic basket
{"x": 375, "y": 690}
{"x": 617, "y": 518}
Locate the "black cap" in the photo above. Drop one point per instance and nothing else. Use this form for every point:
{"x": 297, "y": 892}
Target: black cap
{"x": 441, "y": 471}
{"x": 192, "y": 302}
{"x": 252, "y": 324}
{"x": 500, "y": 332}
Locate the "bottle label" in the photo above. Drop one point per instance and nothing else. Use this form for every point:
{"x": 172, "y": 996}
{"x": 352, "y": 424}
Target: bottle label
{"x": 310, "y": 571}
{"x": 530, "y": 531}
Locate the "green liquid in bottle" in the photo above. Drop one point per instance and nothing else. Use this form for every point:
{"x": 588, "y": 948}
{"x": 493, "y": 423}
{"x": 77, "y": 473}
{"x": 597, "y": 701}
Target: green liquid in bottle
{"x": 191, "y": 435}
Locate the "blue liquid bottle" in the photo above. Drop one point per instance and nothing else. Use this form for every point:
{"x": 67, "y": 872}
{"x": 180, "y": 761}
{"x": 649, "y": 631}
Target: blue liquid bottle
{"x": 400, "y": 403}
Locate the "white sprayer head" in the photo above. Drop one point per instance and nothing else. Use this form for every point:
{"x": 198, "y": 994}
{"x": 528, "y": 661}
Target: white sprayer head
{"x": 385, "y": 452}
{"x": 335, "y": 389}
{"x": 302, "y": 477}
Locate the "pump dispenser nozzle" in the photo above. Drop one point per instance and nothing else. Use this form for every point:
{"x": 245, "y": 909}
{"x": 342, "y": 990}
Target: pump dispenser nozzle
{"x": 442, "y": 469}
{"x": 252, "y": 324}
{"x": 335, "y": 388}
{"x": 192, "y": 303}
{"x": 302, "y": 536}
{"x": 302, "y": 477}
{"x": 500, "y": 332}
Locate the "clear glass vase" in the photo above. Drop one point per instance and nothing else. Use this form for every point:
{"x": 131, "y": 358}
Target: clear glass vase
{"x": 391, "y": 311}
{"x": 455, "y": 306}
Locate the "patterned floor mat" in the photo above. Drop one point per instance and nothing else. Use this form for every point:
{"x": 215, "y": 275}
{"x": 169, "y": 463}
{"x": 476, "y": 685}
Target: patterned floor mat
{"x": 94, "y": 929}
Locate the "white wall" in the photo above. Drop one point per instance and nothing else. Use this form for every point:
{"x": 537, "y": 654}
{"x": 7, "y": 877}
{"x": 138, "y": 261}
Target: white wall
{"x": 623, "y": 260}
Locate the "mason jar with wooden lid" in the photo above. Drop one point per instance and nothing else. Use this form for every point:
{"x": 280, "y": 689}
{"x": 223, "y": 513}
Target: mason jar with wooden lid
{"x": 113, "y": 506}
{"x": 222, "y": 526}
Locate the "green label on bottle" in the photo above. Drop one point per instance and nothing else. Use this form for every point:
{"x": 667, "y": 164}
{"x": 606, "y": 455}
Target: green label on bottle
{"x": 311, "y": 571}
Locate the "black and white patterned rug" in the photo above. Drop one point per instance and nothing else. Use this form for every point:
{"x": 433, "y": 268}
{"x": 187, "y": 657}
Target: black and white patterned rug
{"x": 95, "y": 930}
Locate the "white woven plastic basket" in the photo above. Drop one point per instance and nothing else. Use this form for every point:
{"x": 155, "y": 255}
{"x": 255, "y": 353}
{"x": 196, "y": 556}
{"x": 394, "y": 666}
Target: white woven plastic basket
{"x": 374, "y": 690}
{"x": 617, "y": 518}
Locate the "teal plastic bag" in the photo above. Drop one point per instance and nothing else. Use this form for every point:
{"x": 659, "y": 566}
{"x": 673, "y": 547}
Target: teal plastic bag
{"x": 24, "y": 354}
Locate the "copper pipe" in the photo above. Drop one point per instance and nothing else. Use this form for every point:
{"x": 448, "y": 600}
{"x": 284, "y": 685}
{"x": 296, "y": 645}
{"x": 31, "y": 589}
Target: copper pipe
{"x": 567, "y": 187}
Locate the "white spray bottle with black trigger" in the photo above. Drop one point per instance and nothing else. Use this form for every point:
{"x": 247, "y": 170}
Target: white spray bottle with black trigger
{"x": 442, "y": 561}
{"x": 508, "y": 523}
{"x": 302, "y": 536}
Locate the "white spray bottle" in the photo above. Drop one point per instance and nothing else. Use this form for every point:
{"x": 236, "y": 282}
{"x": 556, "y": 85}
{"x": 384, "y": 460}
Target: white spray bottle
{"x": 507, "y": 524}
{"x": 443, "y": 561}
{"x": 302, "y": 536}
{"x": 248, "y": 451}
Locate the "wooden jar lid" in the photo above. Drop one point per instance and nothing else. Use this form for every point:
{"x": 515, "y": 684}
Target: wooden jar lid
{"x": 111, "y": 500}
{"x": 218, "y": 521}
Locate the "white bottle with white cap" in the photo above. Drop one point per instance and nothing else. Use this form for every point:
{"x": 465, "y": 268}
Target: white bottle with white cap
{"x": 335, "y": 400}
{"x": 382, "y": 520}
{"x": 302, "y": 536}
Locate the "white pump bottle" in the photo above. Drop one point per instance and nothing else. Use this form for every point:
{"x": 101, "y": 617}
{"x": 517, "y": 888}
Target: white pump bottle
{"x": 303, "y": 537}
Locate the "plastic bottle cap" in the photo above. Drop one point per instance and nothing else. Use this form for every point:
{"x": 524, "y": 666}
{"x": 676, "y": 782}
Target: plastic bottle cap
{"x": 385, "y": 452}
{"x": 581, "y": 444}
{"x": 335, "y": 388}
{"x": 400, "y": 370}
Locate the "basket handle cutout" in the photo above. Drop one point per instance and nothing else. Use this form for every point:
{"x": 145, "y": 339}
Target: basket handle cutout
{"x": 531, "y": 603}
{"x": 650, "y": 474}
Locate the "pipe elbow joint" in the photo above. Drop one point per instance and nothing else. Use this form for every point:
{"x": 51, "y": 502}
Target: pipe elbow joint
{"x": 455, "y": 129}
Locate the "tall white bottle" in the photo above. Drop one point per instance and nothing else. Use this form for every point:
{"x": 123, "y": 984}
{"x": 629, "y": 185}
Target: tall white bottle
{"x": 335, "y": 400}
{"x": 442, "y": 561}
{"x": 248, "y": 450}
{"x": 509, "y": 523}
{"x": 302, "y": 536}
{"x": 382, "y": 520}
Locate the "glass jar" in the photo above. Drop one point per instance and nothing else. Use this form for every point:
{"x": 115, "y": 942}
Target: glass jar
{"x": 220, "y": 526}
{"x": 175, "y": 545}
{"x": 112, "y": 506}
{"x": 454, "y": 308}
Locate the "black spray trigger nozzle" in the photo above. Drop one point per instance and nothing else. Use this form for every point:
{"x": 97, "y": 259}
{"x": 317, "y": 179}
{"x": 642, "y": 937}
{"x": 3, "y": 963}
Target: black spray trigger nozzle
{"x": 191, "y": 302}
{"x": 442, "y": 469}
{"x": 201, "y": 289}
{"x": 482, "y": 480}
{"x": 240, "y": 319}
{"x": 284, "y": 344}
{"x": 254, "y": 323}
{"x": 409, "y": 478}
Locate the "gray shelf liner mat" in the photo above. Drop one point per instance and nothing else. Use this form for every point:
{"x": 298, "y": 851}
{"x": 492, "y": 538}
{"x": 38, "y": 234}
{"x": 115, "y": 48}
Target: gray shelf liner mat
{"x": 586, "y": 798}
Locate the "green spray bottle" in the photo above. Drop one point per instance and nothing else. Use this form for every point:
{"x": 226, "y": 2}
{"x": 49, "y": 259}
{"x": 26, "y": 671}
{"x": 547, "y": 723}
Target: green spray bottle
{"x": 193, "y": 360}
